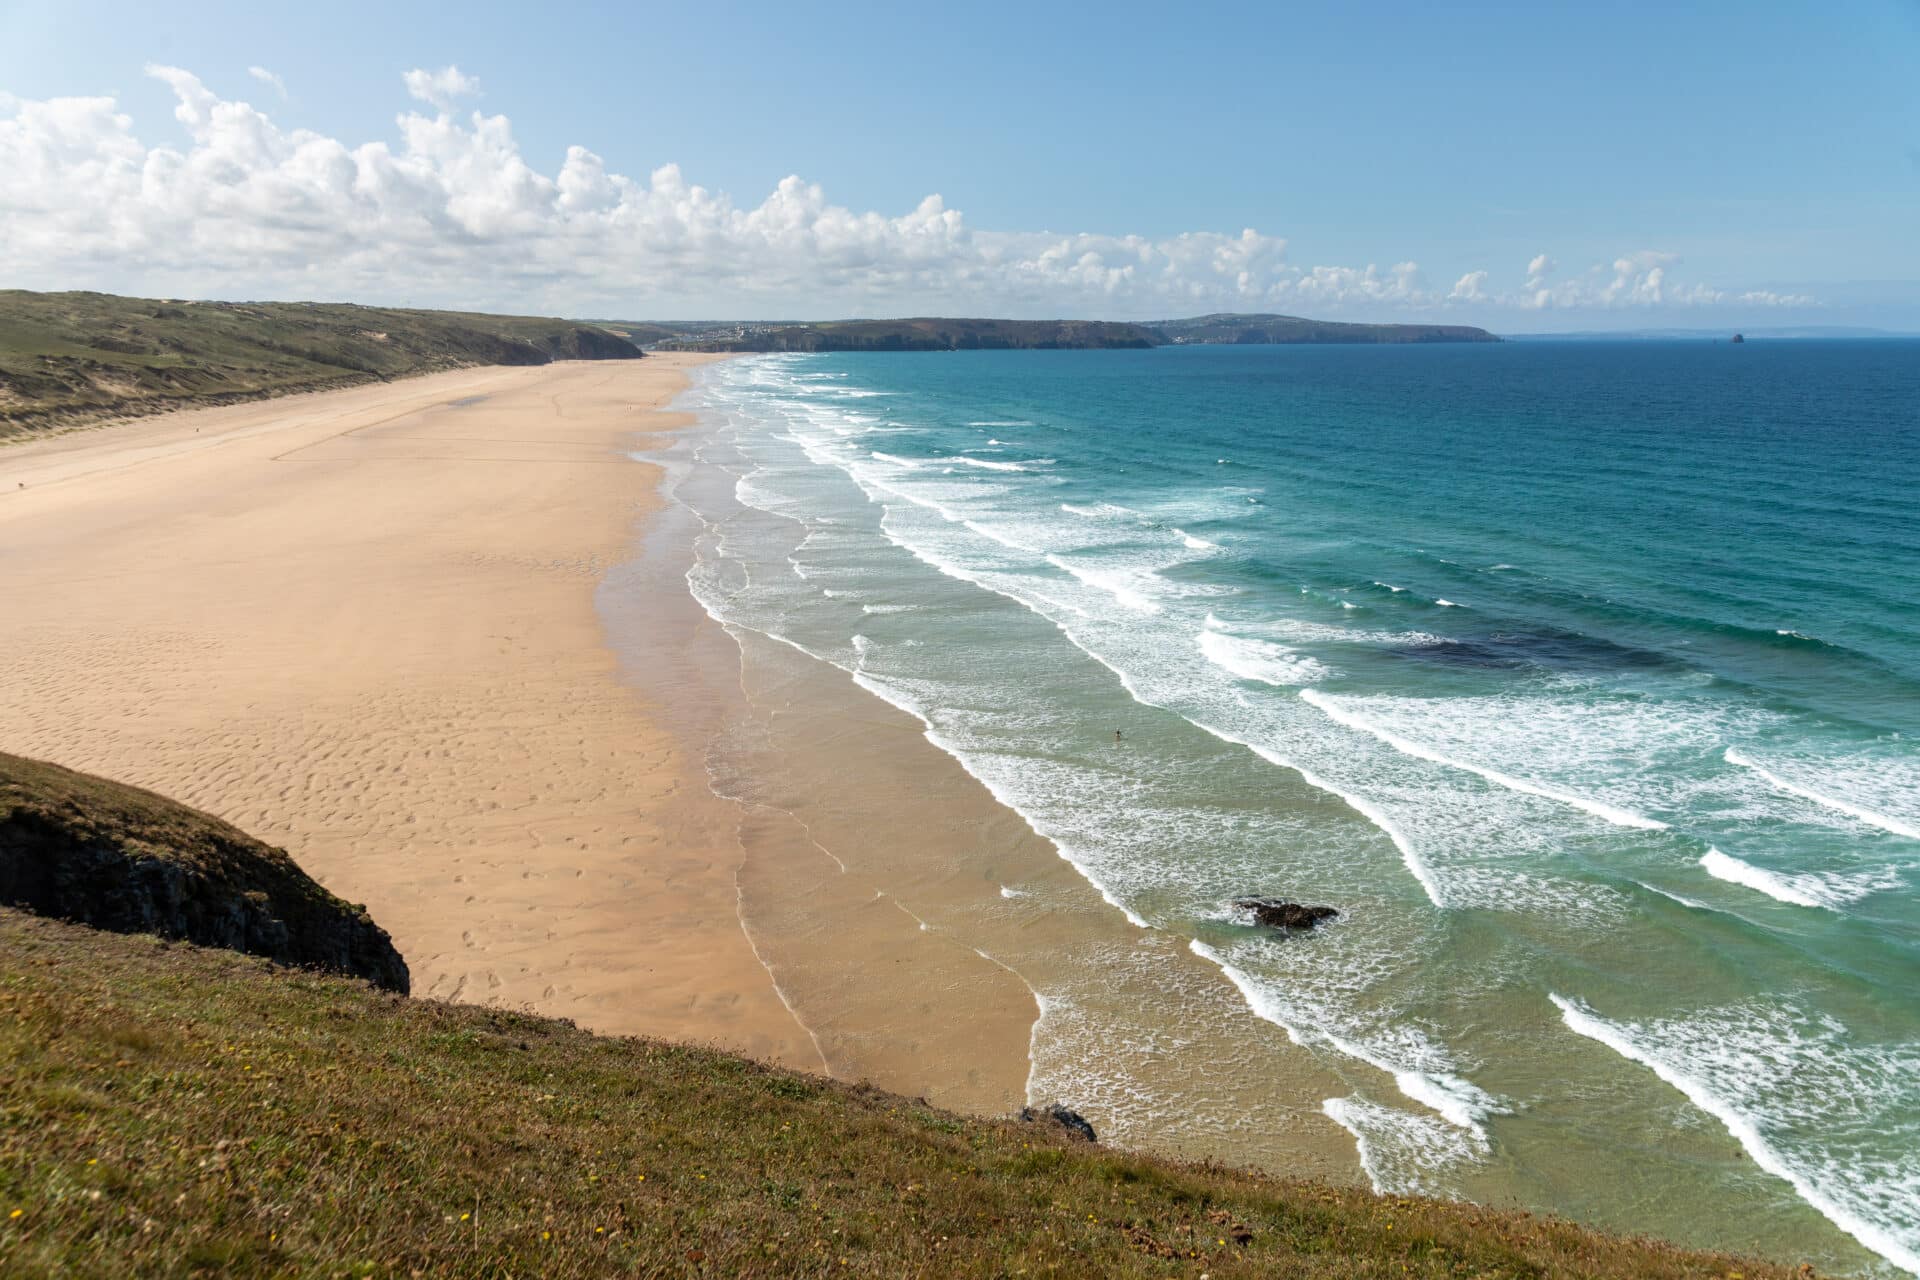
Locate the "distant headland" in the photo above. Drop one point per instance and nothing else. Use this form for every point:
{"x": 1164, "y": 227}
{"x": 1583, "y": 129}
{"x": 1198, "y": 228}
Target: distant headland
{"x": 932, "y": 333}
{"x": 72, "y": 359}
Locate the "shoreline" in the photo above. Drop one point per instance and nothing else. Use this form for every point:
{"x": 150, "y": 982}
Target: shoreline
{"x": 972, "y": 961}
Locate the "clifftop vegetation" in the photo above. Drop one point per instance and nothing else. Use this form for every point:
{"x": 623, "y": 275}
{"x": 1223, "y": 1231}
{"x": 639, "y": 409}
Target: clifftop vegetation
{"x": 72, "y": 358}
{"x": 171, "y": 1110}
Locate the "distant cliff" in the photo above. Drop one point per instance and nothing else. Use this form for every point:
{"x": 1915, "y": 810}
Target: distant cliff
{"x": 938, "y": 334}
{"x": 921, "y": 334}
{"x": 1228, "y": 330}
{"x": 115, "y": 857}
{"x": 71, "y": 358}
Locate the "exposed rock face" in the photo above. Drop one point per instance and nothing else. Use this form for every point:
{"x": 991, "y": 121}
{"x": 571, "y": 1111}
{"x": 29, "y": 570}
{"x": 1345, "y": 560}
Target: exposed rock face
{"x": 585, "y": 342}
{"x": 1285, "y": 915}
{"x": 1053, "y": 1113}
{"x": 116, "y": 857}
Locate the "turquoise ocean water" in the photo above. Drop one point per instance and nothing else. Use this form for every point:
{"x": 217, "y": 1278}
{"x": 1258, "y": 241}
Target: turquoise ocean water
{"x": 1584, "y": 678}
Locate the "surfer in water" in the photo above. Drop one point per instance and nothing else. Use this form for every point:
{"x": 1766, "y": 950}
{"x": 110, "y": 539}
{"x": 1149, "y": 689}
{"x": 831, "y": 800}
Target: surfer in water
{"x": 1116, "y": 737}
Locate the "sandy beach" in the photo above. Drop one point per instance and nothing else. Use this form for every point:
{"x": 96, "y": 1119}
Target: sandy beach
{"x": 361, "y": 624}
{"x": 434, "y": 637}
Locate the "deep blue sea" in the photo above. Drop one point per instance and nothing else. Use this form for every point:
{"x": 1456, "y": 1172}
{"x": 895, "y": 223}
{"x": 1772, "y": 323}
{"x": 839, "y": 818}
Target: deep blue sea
{"x": 1583, "y": 678}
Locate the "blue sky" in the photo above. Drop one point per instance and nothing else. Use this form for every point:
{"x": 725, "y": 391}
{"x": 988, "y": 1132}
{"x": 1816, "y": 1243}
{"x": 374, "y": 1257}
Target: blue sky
{"x": 1764, "y": 158}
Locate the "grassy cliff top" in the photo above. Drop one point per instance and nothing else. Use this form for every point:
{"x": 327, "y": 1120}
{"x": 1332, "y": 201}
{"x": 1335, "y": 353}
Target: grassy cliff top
{"x": 72, "y": 358}
{"x": 172, "y": 1111}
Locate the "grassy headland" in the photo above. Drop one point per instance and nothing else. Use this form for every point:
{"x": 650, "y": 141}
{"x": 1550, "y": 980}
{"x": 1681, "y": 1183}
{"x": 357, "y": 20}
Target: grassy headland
{"x": 918, "y": 334}
{"x": 939, "y": 334}
{"x": 1240, "y": 330}
{"x": 171, "y": 1110}
{"x": 67, "y": 359}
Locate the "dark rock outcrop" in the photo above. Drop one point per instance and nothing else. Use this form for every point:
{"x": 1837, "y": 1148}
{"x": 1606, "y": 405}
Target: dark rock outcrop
{"x": 1284, "y": 915}
{"x": 588, "y": 342}
{"x": 115, "y": 857}
{"x": 1066, "y": 1118}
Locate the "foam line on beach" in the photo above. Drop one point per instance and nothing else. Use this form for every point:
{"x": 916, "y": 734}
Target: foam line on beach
{"x": 1381, "y": 1132}
{"x": 1902, "y": 1253}
{"x": 1406, "y": 746}
{"x": 1459, "y": 1102}
{"x": 1852, "y": 810}
{"x": 881, "y": 690}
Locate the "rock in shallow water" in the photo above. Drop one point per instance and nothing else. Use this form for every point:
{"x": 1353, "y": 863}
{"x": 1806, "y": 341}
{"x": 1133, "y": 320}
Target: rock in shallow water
{"x": 1284, "y": 915}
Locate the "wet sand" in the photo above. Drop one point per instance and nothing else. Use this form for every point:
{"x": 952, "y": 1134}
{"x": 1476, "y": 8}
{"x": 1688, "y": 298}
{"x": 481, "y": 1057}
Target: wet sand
{"x": 930, "y": 939}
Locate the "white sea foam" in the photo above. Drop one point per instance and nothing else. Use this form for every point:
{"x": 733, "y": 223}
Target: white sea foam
{"x": 1780, "y": 1082}
{"x": 1401, "y": 1152}
{"x": 1009, "y": 422}
{"x": 995, "y": 534}
{"x": 1261, "y": 660}
{"x": 992, "y": 464}
{"x": 1734, "y": 871}
{"x": 1831, "y": 890}
{"x": 1448, "y": 604}
{"x": 1823, "y": 796}
{"x": 1680, "y": 898}
{"x": 1341, "y": 711}
{"x": 1302, "y": 631}
{"x": 1122, "y": 586}
{"x": 1458, "y": 1101}
{"x": 1193, "y": 543}
{"x": 1097, "y": 510}
{"x": 909, "y": 463}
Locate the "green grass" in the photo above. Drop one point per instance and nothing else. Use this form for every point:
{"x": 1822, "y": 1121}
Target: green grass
{"x": 172, "y": 1111}
{"x": 68, "y": 359}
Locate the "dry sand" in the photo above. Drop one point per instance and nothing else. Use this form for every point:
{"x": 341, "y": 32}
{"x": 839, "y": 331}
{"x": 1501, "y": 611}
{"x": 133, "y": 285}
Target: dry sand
{"x": 361, "y": 624}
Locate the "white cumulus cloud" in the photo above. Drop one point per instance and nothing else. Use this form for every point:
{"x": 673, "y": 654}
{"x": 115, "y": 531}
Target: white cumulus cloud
{"x": 269, "y": 79}
{"x": 451, "y": 211}
{"x": 441, "y": 88}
